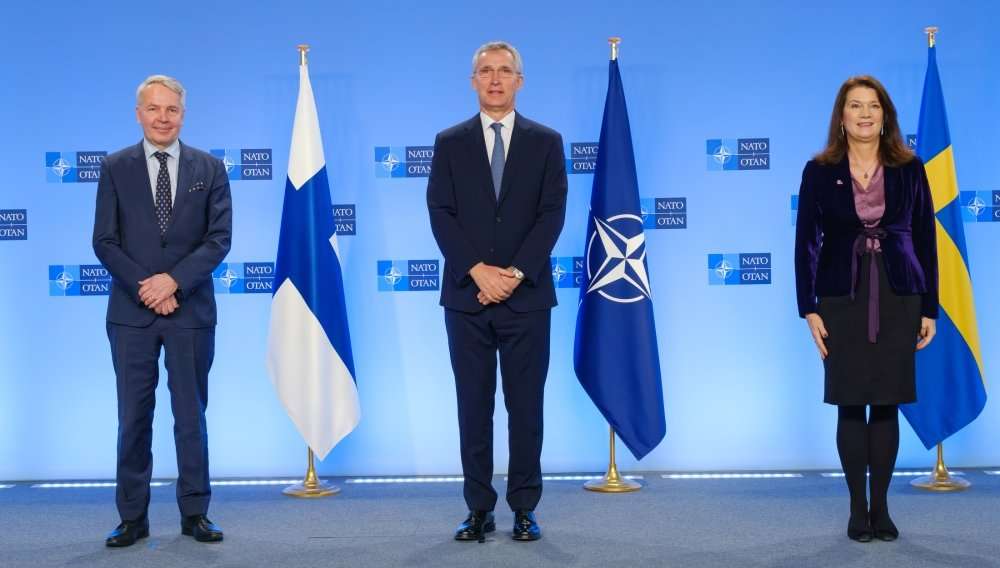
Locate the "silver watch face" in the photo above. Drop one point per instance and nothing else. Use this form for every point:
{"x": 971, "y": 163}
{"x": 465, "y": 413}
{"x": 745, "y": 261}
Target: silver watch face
{"x": 518, "y": 274}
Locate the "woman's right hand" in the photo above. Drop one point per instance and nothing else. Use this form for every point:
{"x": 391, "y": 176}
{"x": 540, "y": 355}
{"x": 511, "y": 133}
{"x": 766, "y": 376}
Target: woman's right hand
{"x": 818, "y": 331}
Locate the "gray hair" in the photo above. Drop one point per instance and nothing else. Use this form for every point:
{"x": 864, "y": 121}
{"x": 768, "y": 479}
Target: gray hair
{"x": 494, "y": 45}
{"x": 168, "y": 82}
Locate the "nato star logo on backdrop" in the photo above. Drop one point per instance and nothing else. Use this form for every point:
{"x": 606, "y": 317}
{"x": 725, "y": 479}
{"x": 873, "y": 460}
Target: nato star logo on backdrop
{"x": 616, "y": 259}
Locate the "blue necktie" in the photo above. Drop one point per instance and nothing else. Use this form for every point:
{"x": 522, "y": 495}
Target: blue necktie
{"x": 497, "y": 161}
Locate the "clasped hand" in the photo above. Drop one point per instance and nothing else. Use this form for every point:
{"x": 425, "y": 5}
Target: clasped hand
{"x": 928, "y": 328}
{"x": 157, "y": 293}
{"x": 495, "y": 284}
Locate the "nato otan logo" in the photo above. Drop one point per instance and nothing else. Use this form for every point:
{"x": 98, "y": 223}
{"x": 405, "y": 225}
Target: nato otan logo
{"x": 980, "y": 206}
{"x": 739, "y": 269}
{"x": 244, "y": 278}
{"x": 74, "y": 167}
{"x": 79, "y": 280}
{"x": 911, "y": 141}
{"x": 246, "y": 163}
{"x": 582, "y": 158}
{"x": 795, "y": 209}
{"x": 724, "y": 154}
{"x": 664, "y": 212}
{"x": 345, "y": 219}
{"x": 403, "y": 161}
{"x": 13, "y": 224}
{"x": 408, "y": 275}
{"x": 567, "y": 271}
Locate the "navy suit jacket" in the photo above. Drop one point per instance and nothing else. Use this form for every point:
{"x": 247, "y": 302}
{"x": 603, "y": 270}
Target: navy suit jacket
{"x": 828, "y": 227}
{"x": 128, "y": 243}
{"x": 472, "y": 225}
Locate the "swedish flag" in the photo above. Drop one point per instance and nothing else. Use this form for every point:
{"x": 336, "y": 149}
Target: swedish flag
{"x": 951, "y": 389}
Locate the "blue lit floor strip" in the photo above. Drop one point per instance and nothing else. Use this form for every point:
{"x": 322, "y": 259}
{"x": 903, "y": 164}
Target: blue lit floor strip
{"x": 579, "y": 477}
{"x": 88, "y": 485}
{"x": 2, "y": 486}
{"x": 252, "y": 482}
{"x": 730, "y": 475}
{"x": 440, "y": 479}
{"x": 992, "y": 472}
{"x": 894, "y": 474}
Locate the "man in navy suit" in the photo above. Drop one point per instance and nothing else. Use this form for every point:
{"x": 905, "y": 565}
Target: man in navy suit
{"x": 163, "y": 222}
{"x": 497, "y": 200}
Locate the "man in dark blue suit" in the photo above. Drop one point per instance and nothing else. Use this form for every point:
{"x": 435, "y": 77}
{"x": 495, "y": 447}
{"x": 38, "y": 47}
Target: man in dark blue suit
{"x": 163, "y": 222}
{"x": 497, "y": 200}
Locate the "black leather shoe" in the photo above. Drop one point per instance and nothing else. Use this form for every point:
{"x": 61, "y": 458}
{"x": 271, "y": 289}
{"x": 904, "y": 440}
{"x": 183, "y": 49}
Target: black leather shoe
{"x": 884, "y": 528}
{"x": 525, "y": 526}
{"x": 202, "y": 529}
{"x": 475, "y": 526}
{"x": 859, "y": 528}
{"x": 127, "y": 532}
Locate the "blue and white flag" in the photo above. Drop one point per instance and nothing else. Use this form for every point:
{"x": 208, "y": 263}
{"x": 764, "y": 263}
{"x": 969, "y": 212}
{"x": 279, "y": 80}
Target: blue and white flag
{"x": 309, "y": 346}
{"x": 616, "y": 356}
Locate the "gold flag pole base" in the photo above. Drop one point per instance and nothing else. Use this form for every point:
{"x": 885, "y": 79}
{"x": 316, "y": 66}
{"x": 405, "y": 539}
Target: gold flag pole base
{"x": 612, "y": 482}
{"x": 940, "y": 480}
{"x": 311, "y": 487}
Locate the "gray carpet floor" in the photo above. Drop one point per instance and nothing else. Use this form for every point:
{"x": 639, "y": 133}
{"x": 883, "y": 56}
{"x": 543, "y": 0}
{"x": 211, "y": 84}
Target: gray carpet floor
{"x": 796, "y": 522}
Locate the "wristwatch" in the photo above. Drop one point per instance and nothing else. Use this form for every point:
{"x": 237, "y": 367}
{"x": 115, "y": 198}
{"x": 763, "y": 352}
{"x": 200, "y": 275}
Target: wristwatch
{"x": 517, "y": 273}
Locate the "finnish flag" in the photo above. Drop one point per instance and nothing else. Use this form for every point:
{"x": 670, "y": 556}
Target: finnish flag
{"x": 309, "y": 345}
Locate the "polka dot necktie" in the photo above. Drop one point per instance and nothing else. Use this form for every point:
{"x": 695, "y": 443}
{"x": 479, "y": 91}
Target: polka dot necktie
{"x": 163, "y": 205}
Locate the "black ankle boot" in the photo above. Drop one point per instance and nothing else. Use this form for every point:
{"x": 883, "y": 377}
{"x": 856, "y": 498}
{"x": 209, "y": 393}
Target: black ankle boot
{"x": 859, "y": 528}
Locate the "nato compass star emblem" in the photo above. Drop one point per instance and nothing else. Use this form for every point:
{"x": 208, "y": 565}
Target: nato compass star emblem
{"x": 620, "y": 259}
{"x": 558, "y": 273}
{"x": 64, "y": 280}
{"x": 723, "y": 269}
{"x": 722, "y": 154}
{"x": 228, "y": 163}
{"x": 392, "y": 276}
{"x": 976, "y": 206}
{"x": 228, "y": 277}
{"x": 60, "y": 167}
{"x": 390, "y": 162}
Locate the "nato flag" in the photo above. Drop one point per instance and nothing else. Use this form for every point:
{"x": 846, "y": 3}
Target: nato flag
{"x": 615, "y": 355}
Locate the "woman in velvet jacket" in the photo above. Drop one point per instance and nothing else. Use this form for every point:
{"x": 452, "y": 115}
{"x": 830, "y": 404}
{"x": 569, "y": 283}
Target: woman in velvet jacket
{"x": 866, "y": 284}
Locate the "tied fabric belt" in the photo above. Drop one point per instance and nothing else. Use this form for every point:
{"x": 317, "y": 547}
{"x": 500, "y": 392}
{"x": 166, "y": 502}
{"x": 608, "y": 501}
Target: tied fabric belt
{"x": 868, "y": 241}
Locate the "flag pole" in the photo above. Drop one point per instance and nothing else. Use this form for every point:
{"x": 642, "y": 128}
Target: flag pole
{"x": 612, "y": 482}
{"x": 939, "y": 480}
{"x": 311, "y": 486}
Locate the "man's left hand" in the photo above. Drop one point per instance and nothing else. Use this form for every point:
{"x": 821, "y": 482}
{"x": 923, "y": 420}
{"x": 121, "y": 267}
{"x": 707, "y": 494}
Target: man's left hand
{"x": 510, "y": 283}
{"x": 157, "y": 288}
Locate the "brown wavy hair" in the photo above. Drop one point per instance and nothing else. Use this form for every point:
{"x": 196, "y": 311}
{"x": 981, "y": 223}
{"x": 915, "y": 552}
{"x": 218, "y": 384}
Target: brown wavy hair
{"x": 891, "y": 149}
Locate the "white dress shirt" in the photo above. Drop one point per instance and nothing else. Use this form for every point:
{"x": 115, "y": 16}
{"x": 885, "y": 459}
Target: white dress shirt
{"x": 153, "y": 165}
{"x": 505, "y": 132}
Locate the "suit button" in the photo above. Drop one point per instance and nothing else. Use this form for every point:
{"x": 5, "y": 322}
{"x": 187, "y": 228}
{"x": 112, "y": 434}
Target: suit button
{"x": 491, "y": 249}
{"x": 498, "y": 219}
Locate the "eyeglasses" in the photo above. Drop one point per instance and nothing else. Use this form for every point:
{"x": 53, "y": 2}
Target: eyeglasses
{"x": 487, "y": 72}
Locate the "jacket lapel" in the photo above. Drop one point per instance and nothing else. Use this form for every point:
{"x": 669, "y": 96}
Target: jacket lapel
{"x": 891, "y": 180}
{"x": 476, "y": 143}
{"x": 185, "y": 173}
{"x": 138, "y": 178}
{"x": 514, "y": 157}
{"x": 844, "y": 190}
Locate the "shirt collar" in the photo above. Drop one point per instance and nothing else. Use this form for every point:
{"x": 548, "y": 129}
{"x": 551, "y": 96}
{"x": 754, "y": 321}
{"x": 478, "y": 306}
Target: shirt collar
{"x": 173, "y": 150}
{"x": 507, "y": 121}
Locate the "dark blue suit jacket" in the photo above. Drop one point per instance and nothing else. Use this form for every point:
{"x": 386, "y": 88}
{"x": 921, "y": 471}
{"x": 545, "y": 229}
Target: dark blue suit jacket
{"x": 128, "y": 243}
{"x": 828, "y": 226}
{"x": 519, "y": 229}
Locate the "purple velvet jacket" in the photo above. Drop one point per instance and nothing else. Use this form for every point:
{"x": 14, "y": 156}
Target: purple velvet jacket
{"x": 828, "y": 228}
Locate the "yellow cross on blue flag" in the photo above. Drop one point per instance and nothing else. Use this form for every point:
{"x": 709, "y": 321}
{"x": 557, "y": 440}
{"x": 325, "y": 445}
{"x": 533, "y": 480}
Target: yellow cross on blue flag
{"x": 951, "y": 389}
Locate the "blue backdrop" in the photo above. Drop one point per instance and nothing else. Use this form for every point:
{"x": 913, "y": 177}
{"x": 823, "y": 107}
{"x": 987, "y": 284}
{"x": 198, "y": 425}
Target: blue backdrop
{"x": 742, "y": 382}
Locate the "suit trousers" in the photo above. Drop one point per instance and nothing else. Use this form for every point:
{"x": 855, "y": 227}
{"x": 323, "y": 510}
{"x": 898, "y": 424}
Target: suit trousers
{"x": 135, "y": 352}
{"x": 522, "y": 340}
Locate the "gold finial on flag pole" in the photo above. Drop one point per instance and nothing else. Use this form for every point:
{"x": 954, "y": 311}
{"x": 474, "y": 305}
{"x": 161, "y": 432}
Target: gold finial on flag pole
{"x": 614, "y": 41}
{"x": 612, "y": 482}
{"x": 931, "y": 31}
{"x": 303, "y": 49}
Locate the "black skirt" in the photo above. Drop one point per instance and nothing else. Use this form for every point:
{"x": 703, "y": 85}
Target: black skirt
{"x": 859, "y": 372}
